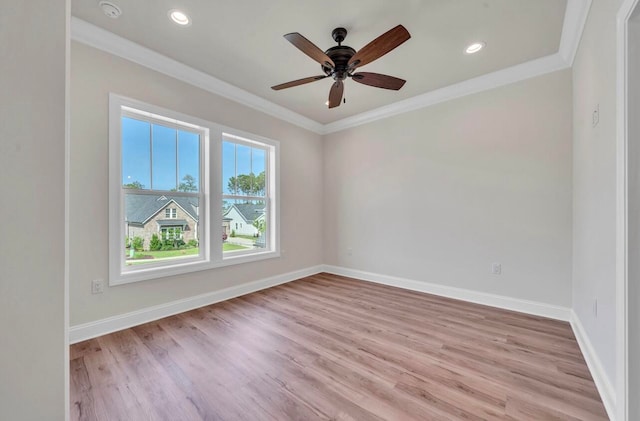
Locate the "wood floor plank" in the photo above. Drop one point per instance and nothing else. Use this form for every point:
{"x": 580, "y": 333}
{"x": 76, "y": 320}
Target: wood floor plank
{"x": 83, "y": 408}
{"x": 328, "y": 347}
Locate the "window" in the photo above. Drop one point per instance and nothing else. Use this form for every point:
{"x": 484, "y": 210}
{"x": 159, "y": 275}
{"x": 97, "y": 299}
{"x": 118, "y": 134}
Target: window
{"x": 165, "y": 191}
{"x": 246, "y": 171}
{"x": 173, "y": 233}
{"x": 160, "y": 167}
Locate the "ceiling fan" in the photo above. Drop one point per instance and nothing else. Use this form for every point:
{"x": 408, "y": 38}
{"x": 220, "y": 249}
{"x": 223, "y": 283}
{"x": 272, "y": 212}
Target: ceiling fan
{"x": 341, "y": 61}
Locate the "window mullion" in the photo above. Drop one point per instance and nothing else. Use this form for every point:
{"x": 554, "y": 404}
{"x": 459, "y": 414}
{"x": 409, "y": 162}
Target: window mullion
{"x": 177, "y": 163}
{"x": 151, "y": 156}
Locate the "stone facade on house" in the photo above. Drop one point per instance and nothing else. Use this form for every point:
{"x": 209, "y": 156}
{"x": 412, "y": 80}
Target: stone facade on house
{"x": 161, "y": 215}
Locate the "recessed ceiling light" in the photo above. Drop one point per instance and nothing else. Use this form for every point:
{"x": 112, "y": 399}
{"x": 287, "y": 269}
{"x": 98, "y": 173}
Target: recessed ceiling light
{"x": 110, "y": 9}
{"x": 179, "y": 17}
{"x": 326, "y": 102}
{"x": 474, "y": 48}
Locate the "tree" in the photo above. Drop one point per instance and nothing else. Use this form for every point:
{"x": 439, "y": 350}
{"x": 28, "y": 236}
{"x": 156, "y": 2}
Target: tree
{"x": 188, "y": 184}
{"x": 247, "y": 184}
{"x": 155, "y": 243}
{"x": 261, "y": 225}
{"x": 134, "y": 185}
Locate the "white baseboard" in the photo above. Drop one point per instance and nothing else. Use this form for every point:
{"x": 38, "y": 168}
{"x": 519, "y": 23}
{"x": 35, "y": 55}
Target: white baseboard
{"x": 493, "y": 300}
{"x": 600, "y": 378}
{"x": 90, "y": 330}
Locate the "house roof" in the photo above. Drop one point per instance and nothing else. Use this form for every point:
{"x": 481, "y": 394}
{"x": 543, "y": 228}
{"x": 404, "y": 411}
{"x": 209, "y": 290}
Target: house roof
{"x": 140, "y": 207}
{"x": 172, "y": 222}
{"x": 249, "y": 211}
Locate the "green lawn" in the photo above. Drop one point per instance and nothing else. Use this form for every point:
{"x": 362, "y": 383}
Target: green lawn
{"x": 151, "y": 256}
{"x": 232, "y": 247}
{"x": 247, "y": 237}
{"x": 148, "y": 256}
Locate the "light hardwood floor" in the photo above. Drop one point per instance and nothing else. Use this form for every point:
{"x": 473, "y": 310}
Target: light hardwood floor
{"x": 334, "y": 348}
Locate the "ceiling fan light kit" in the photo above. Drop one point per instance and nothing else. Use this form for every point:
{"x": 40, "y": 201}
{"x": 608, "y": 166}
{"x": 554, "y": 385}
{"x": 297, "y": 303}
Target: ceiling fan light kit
{"x": 340, "y": 62}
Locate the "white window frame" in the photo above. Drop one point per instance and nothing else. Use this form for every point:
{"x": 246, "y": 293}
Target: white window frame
{"x": 210, "y": 206}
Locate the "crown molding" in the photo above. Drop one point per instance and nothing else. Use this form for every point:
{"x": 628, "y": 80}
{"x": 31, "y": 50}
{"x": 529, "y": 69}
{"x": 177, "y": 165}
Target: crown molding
{"x": 575, "y": 17}
{"x": 109, "y": 42}
{"x": 574, "y": 20}
{"x": 486, "y": 82}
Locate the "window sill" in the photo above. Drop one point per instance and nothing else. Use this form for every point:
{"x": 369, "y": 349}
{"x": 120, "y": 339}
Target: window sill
{"x": 188, "y": 267}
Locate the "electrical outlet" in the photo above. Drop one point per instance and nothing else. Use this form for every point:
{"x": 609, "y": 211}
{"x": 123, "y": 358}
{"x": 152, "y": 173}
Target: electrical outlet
{"x": 97, "y": 286}
{"x": 496, "y": 269}
{"x": 595, "y": 116}
{"x": 349, "y": 251}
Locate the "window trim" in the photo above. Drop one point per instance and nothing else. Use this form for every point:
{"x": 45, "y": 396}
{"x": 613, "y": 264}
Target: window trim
{"x": 213, "y": 256}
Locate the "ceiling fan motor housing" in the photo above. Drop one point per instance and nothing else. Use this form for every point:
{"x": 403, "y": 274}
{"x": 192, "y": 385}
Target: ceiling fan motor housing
{"x": 340, "y": 54}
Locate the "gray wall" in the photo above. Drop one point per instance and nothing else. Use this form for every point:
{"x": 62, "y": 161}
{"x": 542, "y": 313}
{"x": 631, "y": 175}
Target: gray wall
{"x": 94, "y": 74}
{"x": 594, "y": 183}
{"x": 439, "y": 194}
{"x": 33, "y": 45}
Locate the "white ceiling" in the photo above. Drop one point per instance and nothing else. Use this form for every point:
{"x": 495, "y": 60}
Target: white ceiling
{"x": 241, "y": 43}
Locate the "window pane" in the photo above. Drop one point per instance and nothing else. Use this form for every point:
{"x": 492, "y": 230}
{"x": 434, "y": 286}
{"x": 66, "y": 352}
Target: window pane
{"x": 229, "y": 185}
{"x": 244, "y": 225}
{"x": 243, "y": 160}
{"x": 136, "y": 153}
{"x": 258, "y": 166}
{"x": 243, "y": 170}
{"x": 188, "y": 161}
{"x": 164, "y": 158}
{"x": 160, "y": 228}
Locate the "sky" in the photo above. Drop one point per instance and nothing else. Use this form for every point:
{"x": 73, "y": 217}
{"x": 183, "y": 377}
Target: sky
{"x": 240, "y": 159}
{"x": 175, "y": 154}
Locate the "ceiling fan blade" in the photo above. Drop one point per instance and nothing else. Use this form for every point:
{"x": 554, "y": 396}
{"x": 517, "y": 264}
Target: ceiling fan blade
{"x": 335, "y": 94}
{"x": 310, "y": 49}
{"x": 297, "y": 82}
{"x": 378, "y": 80}
{"x": 379, "y": 46}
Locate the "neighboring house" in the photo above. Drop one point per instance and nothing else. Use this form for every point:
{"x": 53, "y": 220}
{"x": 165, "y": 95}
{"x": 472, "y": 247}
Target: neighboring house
{"x": 170, "y": 217}
{"x": 226, "y": 226}
{"x": 241, "y": 218}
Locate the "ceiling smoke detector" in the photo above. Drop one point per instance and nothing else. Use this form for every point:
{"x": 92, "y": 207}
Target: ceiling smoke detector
{"x": 110, "y": 9}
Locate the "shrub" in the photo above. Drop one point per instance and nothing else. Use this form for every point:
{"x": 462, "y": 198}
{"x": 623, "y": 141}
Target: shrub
{"x": 138, "y": 243}
{"x": 233, "y": 233}
{"x": 155, "y": 243}
{"x": 192, "y": 243}
{"x": 172, "y": 244}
